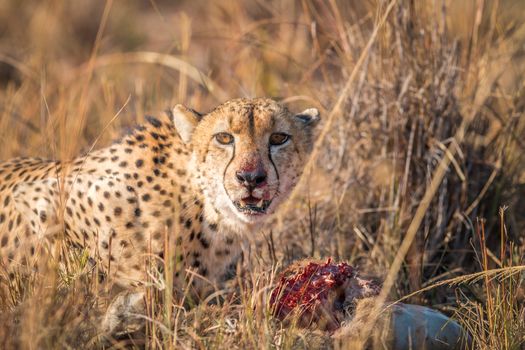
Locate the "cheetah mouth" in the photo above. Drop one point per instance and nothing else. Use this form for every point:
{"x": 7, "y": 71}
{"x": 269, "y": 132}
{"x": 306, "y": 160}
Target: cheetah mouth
{"x": 252, "y": 206}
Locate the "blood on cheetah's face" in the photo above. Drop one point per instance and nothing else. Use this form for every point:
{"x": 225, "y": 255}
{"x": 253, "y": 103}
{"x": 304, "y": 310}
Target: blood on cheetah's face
{"x": 247, "y": 155}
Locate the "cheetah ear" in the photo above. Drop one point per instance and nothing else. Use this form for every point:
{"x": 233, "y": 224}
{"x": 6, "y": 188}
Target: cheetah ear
{"x": 308, "y": 117}
{"x": 185, "y": 120}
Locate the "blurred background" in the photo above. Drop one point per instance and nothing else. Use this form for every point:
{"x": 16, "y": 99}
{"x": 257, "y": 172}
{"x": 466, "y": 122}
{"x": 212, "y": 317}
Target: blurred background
{"x": 440, "y": 79}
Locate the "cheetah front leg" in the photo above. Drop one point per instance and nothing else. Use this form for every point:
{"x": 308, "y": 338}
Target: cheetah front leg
{"x": 108, "y": 220}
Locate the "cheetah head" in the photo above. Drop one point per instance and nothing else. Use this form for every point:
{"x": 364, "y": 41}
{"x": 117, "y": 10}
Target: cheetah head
{"x": 247, "y": 155}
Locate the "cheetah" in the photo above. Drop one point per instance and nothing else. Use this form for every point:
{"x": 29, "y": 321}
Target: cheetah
{"x": 208, "y": 179}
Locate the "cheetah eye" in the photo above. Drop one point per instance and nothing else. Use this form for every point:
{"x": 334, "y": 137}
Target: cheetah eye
{"x": 224, "y": 138}
{"x": 278, "y": 138}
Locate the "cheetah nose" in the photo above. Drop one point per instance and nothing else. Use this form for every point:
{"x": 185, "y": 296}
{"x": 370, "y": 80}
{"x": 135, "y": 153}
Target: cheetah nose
{"x": 251, "y": 179}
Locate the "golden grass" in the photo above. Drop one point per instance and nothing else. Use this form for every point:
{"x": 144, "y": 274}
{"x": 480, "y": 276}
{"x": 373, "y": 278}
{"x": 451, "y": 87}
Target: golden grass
{"x": 422, "y": 105}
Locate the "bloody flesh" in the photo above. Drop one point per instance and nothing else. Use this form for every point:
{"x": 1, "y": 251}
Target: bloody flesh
{"x": 317, "y": 291}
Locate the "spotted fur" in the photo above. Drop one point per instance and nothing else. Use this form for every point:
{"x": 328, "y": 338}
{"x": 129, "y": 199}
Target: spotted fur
{"x": 169, "y": 180}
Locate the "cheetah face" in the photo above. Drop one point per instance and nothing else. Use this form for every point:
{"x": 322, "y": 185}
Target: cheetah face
{"x": 247, "y": 155}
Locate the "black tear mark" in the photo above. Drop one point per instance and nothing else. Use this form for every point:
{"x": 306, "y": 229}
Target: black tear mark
{"x": 271, "y": 161}
{"x": 226, "y": 169}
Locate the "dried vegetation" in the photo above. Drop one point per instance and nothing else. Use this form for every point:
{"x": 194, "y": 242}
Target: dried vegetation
{"x": 423, "y": 134}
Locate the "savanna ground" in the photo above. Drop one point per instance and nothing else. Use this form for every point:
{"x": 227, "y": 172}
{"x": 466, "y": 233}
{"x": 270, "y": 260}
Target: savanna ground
{"x": 418, "y": 175}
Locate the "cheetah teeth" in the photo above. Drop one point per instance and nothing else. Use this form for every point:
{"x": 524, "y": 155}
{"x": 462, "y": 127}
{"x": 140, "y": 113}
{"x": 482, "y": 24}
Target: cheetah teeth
{"x": 250, "y": 207}
{"x": 259, "y": 204}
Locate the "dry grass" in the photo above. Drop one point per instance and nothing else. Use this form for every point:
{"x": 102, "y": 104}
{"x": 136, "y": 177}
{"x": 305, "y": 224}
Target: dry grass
{"x": 423, "y": 134}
